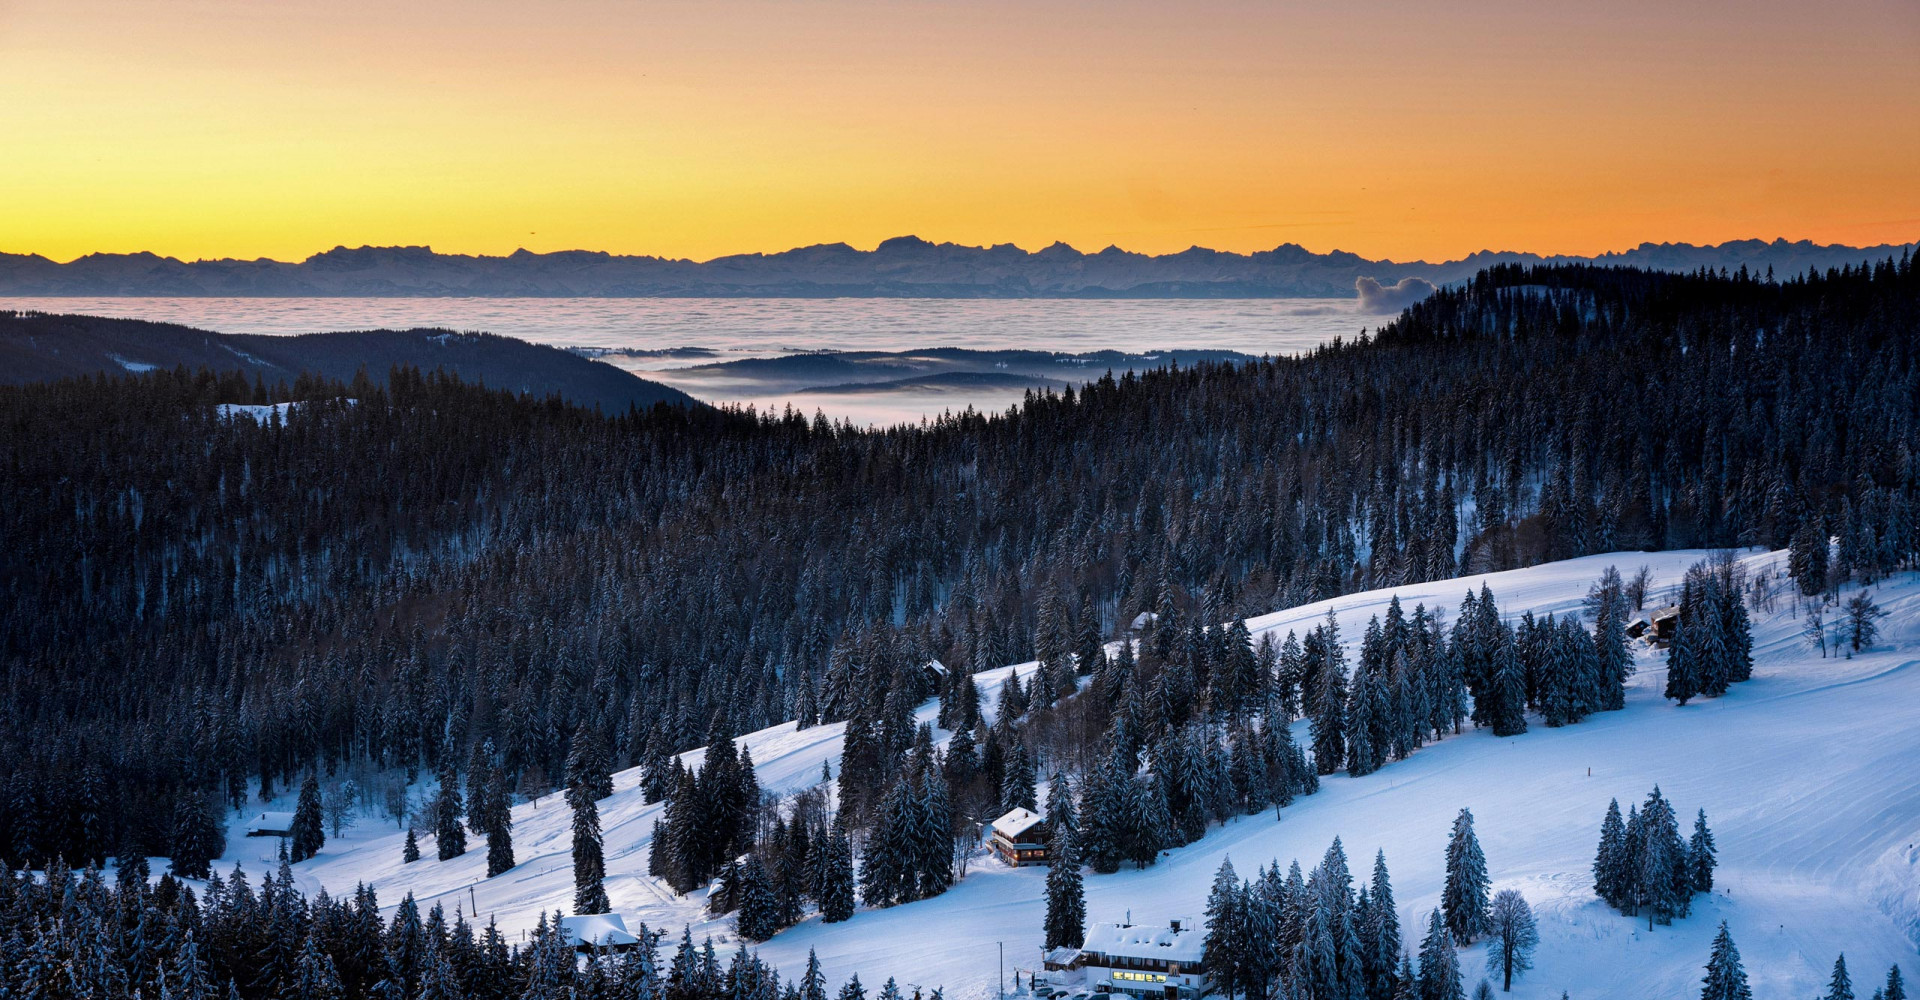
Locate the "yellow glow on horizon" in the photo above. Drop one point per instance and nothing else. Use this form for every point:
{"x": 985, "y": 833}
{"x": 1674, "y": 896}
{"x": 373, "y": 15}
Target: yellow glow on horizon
{"x": 215, "y": 128}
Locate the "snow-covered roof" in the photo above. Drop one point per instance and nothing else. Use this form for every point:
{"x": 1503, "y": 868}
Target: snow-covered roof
{"x": 1015, "y": 823}
{"x": 270, "y": 822}
{"x": 1156, "y": 941}
{"x": 599, "y": 930}
{"x": 1062, "y": 956}
{"x": 1143, "y": 619}
{"x": 937, "y": 667}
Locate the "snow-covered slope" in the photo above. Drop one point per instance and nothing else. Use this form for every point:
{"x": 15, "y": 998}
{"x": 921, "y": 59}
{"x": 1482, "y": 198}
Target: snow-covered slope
{"x": 1808, "y": 775}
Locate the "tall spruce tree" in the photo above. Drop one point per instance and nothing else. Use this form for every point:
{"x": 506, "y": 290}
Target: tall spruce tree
{"x": 309, "y": 830}
{"x": 1103, "y": 818}
{"x": 315, "y": 977}
{"x": 933, "y": 834}
{"x": 589, "y": 766}
{"x": 1383, "y": 933}
{"x": 836, "y": 891}
{"x": 1684, "y": 679}
{"x": 197, "y": 836}
{"x": 1328, "y": 702}
{"x": 1061, "y": 814}
{"x": 450, "y": 838}
{"x": 1365, "y": 718}
{"x": 759, "y": 907}
{"x": 499, "y": 829}
{"x": 589, "y": 861}
{"x": 1612, "y": 875}
{"x": 1663, "y": 883}
{"x": 1607, "y": 604}
{"x": 1226, "y": 942}
{"x": 1726, "y": 978}
{"x": 1439, "y": 963}
{"x": 1840, "y": 986}
{"x": 1066, "y": 895}
{"x": 1701, "y": 855}
{"x": 813, "y": 983}
{"x": 1464, "y": 898}
{"x": 1506, "y": 690}
{"x": 887, "y": 873}
{"x": 1017, "y": 788}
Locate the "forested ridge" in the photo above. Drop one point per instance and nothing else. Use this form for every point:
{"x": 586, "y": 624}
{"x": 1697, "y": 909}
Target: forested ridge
{"x": 197, "y": 601}
{"x": 41, "y": 347}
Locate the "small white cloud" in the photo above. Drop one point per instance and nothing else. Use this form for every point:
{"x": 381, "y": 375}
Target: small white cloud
{"x": 1378, "y": 298}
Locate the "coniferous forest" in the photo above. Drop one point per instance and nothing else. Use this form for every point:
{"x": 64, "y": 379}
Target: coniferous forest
{"x": 432, "y": 578}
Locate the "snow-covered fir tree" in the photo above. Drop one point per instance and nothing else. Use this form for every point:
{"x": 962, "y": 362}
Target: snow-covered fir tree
{"x": 309, "y": 832}
{"x": 589, "y": 861}
{"x": 759, "y": 906}
{"x": 1726, "y": 978}
{"x": 836, "y": 880}
{"x": 1439, "y": 964}
{"x": 1701, "y": 855}
{"x": 1066, "y": 896}
{"x": 1839, "y": 985}
{"x": 1464, "y": 899}
{"x": 1226, "y": 940}
{"x": 1326, "y": 664}
{"x": 450, "y": 838}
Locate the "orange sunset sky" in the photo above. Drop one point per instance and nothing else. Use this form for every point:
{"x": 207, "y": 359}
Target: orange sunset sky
{"x": 209, "y": 128}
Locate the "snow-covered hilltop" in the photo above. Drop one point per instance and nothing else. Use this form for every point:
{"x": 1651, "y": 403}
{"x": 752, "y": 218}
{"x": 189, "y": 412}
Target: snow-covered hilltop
{"x": 1806, "y": 772}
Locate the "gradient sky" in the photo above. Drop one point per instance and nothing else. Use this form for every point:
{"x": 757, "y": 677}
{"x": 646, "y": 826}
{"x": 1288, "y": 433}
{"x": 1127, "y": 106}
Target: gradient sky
{"x": 211, "y": 128}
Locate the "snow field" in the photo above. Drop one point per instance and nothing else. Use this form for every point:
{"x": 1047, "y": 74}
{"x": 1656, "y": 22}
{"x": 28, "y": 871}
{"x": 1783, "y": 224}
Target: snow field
{"x": 1810, "y": 775}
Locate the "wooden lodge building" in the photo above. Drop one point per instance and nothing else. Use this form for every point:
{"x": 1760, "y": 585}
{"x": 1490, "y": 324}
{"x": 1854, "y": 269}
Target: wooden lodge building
{"x": 1656, "y": 628}
{"x": 1019, "y": 838}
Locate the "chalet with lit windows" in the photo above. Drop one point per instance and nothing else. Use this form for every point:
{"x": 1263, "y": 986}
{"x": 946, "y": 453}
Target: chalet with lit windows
{"x": 1019, "y": 838}
{"x": 1165, "y": 961}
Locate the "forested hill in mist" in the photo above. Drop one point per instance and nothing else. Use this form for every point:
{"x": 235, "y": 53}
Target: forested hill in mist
{"x": 37, "y": 347}
{"x": 197, "y": 601}
{"x": 904, "y": 266}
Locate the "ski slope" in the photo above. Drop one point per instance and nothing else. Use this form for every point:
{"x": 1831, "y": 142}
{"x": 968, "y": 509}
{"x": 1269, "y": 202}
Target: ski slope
{"x": 1810, "y": 775}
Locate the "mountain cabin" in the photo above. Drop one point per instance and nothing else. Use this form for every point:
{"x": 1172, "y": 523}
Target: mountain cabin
{"x": 1656, "y": 628}
{"x": 1019, "y": 838}
{"x": 271, "y": 824}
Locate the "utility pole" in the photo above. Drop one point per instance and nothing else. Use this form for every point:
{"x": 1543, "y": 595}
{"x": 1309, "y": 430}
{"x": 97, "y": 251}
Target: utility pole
{"x": 1003, "y": 969}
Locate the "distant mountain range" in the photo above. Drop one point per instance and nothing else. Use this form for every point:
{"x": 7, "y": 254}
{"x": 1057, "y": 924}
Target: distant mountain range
{"x": 37, "y": 347}
{"x": 906, "y": 266}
